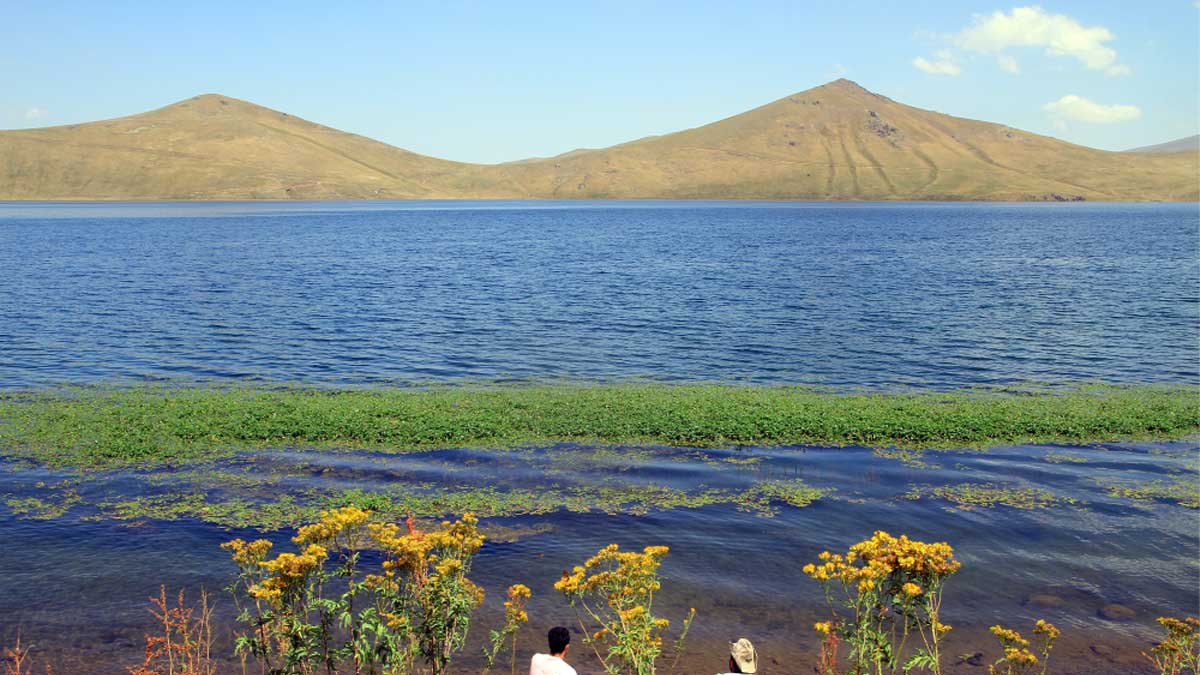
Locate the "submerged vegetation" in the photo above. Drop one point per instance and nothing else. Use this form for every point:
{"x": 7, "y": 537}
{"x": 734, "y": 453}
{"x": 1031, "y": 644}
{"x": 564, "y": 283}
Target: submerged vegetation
{"x": 94, "y": 427}
{"x": 989, "y": 495}
{"x": 1182, "y": 492}
{"x": 762, "y": 498}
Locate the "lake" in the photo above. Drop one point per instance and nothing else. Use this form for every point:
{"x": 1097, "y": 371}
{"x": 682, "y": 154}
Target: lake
{"x": 847, "y": 295}
{"x": 850, "y": 294}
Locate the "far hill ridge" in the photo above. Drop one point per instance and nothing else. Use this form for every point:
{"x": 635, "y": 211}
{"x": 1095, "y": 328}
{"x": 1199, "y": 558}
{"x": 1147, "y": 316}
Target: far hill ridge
{"x": 835, "y": 141}
{"x": 1190, "y": 143}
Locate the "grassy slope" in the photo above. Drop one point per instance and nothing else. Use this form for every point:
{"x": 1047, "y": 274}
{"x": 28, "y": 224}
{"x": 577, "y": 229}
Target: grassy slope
{"x": 135, "y": 426}
{"x": 209, "y": 147}
{"x": 836, "y": 141}
{"x": 840, "y": 141}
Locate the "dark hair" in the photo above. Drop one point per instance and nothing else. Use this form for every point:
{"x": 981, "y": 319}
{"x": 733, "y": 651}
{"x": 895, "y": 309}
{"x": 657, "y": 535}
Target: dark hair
{"x": 559, "y": 639}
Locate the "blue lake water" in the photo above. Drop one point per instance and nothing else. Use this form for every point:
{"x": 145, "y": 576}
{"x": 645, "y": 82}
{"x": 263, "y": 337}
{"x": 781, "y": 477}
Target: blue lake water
{"x": 859, "y": 294}
{"x": 865, "y": 294}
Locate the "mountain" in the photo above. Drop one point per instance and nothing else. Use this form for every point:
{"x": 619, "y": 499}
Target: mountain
{"x": 1178, "y": 145}
{"x": 210, "y": 147}
{"x": 836, "y": 141}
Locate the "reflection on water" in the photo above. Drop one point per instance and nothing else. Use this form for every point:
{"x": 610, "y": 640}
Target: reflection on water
{"x": 76, "y": 584}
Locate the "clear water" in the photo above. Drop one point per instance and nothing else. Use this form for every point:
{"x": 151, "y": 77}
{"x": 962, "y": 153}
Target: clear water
{"x": 365, "y": 292}
{"x": 927, "y": 295}
{"x": 78, "y": 585}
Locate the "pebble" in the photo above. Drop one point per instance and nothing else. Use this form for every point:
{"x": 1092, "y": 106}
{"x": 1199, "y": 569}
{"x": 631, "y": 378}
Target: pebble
{"x": 1116, "y": 612}
{"x": 1045, "y": 601}
{"x": 975, "y": 659}
{"x": 1104, "y": 651}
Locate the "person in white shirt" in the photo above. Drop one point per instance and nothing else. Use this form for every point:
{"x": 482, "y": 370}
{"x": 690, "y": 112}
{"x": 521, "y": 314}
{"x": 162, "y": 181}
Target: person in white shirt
{"x": 554, "y": 663}
{"x": 742, "y": 657}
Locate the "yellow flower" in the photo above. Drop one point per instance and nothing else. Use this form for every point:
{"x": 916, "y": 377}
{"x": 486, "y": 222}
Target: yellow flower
{"x": 911, "y": 589}
{"x": 1043, "y": 627}
{"x": 823, "y": 627}
{"x": 1008, "y": 636}
{"x": 628, "y": 615}
{"x": 514, "y": 607}
{"x": 1020, "y": 656}
{"x": 268, "y": 590}
{"x": 248, "y": 554}
{"x": 339, "y": 528}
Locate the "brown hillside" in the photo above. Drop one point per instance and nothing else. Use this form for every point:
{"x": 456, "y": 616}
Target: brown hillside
{"x": 836, "y": 141}
{"x": 209, "y": 147}
{"x": 840, "y": 141}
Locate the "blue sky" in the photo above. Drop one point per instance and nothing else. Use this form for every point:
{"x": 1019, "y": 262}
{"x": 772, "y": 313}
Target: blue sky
{"x": 487, "y": 82}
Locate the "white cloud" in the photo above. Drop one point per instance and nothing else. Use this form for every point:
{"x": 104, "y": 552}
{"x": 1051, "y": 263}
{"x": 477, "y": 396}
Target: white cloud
{"x": 945, "y": 63}
{"x": 36, "y": 113}
{"x": 1032, "y": 26}
{"x": 1119, "y": 69}
{"x": 1008, "y": 64}
{"x": 1078, "y": 108}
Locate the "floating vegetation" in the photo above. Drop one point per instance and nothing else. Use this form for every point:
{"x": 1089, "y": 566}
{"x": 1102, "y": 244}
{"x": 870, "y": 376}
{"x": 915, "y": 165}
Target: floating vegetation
{"x": 911, "y": 458}
{"x": 742, "y": 461}
{"x": 282, "y": 512}
{"x": 763, "y": 497}
{"x": 36, "y": 508}
{"x": 1182, "y": 492}
{"x": 1064, "y": 458}
{"x": 991, "y": 495}
{"x": 93, "y": 427}
{"x": 273, "y": 512}
{"x": 1175, "y": 453}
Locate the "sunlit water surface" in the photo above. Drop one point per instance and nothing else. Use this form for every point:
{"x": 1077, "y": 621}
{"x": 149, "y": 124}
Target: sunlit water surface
{"x": 368, "y": 292}
{"x": 875, "y": 295}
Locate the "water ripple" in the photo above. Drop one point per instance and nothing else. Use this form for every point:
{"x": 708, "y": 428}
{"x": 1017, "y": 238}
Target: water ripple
{"x": 866, "y": 294}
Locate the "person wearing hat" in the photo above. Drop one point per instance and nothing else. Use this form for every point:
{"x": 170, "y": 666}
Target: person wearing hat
{"x": 742, "y": 657}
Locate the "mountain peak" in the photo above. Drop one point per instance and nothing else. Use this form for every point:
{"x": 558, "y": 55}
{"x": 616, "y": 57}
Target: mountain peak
{"x": 834, "y": 141}
{"x": 844, "y": 87}
{"x": 843, "y": 83}
{"x": 209, "y": 104}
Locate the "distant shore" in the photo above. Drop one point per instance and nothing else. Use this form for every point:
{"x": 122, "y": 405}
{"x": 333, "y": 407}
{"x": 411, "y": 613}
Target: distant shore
{"x": 151, "y": 426}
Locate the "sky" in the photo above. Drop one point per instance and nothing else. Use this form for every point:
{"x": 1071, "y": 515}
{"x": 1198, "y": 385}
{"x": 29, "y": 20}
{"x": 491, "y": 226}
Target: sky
{"x": 499, "y": 81}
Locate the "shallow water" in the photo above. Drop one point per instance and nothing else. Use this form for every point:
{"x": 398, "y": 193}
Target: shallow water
{"x": 76, "y": 584}
{"x": 875, "y": 294}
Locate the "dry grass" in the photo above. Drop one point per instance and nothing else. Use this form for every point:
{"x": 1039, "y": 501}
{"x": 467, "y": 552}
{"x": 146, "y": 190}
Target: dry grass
{"x": 183, "y": 643}
{"x": 17, "y": 660}
{"x": 836, "y": 141}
